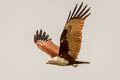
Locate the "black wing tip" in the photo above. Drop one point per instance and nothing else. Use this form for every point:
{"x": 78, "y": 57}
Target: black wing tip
{"x": 79, "y": 13}
{"x": 41, "y": 36}
{"x": 35, "y": 40}
{"x": 69, "y": 16}
{"x": 87, "y": 15}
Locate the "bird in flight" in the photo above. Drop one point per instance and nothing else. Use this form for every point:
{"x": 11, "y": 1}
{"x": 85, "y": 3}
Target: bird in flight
{"x": 70, "y": 40}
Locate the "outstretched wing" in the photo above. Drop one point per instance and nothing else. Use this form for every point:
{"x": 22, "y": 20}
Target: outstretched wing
{"x": 44, "y": 43}
{"x": 71, "y": 38}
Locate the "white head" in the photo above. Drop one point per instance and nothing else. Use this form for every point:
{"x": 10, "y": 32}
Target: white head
{"x": 58, "y": 61}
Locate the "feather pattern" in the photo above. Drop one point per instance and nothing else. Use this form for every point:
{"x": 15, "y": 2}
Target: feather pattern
{"x": 71, "y": 37}
{"x": 44, "y": 43}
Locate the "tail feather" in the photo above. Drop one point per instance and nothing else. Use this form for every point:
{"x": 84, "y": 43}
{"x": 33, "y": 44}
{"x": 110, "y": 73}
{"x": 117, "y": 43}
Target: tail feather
{"x": 82, "y": 62}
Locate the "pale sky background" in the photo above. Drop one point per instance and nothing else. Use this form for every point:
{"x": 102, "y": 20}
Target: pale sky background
{"x": 20, "y": 59}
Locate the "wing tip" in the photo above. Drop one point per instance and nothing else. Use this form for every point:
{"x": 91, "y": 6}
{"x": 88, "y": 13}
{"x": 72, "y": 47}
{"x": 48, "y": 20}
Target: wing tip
{"x": 79, "y": 13}
{"x": 41, "y": 36}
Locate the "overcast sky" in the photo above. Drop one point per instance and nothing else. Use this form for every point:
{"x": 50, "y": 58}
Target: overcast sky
{"x": 20, "y": 59}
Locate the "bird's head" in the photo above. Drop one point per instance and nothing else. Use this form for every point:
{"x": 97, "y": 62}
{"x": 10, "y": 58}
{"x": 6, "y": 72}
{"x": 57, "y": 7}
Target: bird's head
{"x": 58, "y": 61}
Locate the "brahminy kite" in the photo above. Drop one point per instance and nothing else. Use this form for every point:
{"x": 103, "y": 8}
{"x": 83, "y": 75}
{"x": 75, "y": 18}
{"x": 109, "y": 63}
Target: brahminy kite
{"x": 70, "y": 40}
